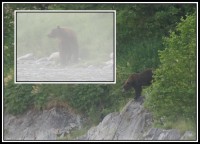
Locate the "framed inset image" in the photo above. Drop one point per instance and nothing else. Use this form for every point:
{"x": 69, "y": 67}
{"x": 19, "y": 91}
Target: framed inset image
{"x": 53, "y": 46}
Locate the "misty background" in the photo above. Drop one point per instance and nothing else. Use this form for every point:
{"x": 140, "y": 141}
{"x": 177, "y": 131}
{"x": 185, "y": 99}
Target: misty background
{"x": 94, "y": 33}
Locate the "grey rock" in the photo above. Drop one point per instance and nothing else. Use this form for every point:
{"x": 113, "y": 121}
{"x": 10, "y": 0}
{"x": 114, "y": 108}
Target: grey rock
{"x": 42, "y": 60}
{"x": 28, "y": 56}
{"x": 54, "y": 56}
{"x": 160, "y": 134}
{"x": 132, "y": 123}
{"x": 40, "y": 125}
{"x": 188, "y": 135}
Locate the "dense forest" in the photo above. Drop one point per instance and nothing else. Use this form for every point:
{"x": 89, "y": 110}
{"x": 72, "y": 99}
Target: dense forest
{"x": 158, "y": 36}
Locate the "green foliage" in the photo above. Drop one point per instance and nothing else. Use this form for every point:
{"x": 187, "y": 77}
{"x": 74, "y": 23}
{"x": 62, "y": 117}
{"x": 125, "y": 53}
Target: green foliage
{"x": 173, "y": 93}
{"x": 180, "y": 124}
{"x": 17, "y": 98}
{"x": 8, "y": 17}
{"x": 140, "y": 30}
{"x": 93, "y": 100}
{"x": 8, "y": 38}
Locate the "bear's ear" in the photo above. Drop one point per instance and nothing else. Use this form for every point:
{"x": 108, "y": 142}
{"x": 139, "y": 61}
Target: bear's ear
{"x": 58, "y": 27}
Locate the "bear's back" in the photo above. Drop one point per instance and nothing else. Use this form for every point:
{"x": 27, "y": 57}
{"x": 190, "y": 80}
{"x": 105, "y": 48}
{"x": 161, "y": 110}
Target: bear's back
{"x": 69, "y": 31}
{"x": 146, "y": 77}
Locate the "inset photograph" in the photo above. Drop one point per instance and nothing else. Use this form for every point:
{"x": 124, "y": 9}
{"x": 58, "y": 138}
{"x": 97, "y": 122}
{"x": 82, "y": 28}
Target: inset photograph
{"x": 65, "y": 46}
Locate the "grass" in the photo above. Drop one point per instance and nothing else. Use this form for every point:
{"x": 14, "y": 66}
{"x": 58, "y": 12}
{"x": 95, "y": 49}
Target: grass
{"x": 182, "y": 125}
{"x": 8, "y": 77}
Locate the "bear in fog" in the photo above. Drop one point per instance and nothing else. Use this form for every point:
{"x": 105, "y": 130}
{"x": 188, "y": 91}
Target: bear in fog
{"x": 68, "y": 44}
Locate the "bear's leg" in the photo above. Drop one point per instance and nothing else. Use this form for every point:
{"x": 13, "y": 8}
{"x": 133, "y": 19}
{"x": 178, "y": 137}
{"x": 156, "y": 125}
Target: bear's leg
{"x": 138, "y": 91}
{"x": 69, "y": 55}
{"x": 74, "y": 54}
{"x": 63, "y": 59}
{"x": 63, "y": 56}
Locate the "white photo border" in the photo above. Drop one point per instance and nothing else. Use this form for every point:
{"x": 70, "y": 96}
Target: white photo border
{"x": 65, "y": 82}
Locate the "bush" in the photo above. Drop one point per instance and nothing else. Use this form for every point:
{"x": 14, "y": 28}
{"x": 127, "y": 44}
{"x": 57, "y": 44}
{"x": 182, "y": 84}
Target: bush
{"x": 17, "y": 98}
{"x": 172, "y": 95}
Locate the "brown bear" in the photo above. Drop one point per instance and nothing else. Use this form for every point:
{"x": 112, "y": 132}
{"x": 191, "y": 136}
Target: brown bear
{"x": 68, "y": 44}
{"x": 138, "y": 80}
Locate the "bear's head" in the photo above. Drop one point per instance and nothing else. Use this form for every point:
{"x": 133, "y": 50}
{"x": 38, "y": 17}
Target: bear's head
{"x": 130, "y": 82}
{"x": 57, "y": 33}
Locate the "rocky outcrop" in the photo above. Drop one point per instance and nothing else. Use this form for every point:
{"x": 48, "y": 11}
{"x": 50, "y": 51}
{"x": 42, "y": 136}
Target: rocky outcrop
{"x": 41, "y": 125}
{"x": 132, "y": 123}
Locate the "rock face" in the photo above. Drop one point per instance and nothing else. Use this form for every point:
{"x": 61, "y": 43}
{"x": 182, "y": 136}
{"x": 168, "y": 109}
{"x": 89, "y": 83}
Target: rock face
{"x": 132, "y": 123}
{"x": 44, "y": 125}
{"x": 160, "y": 134}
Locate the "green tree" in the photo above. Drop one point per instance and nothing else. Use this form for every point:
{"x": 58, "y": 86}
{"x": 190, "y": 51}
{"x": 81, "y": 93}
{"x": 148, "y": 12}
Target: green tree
{"x": 173, "y": 93}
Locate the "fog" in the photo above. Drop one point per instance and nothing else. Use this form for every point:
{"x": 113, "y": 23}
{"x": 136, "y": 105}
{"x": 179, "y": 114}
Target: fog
{"x": 39, "y": 50}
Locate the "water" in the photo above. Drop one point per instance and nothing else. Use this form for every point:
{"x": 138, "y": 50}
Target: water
{"x": 44, "y": 70}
